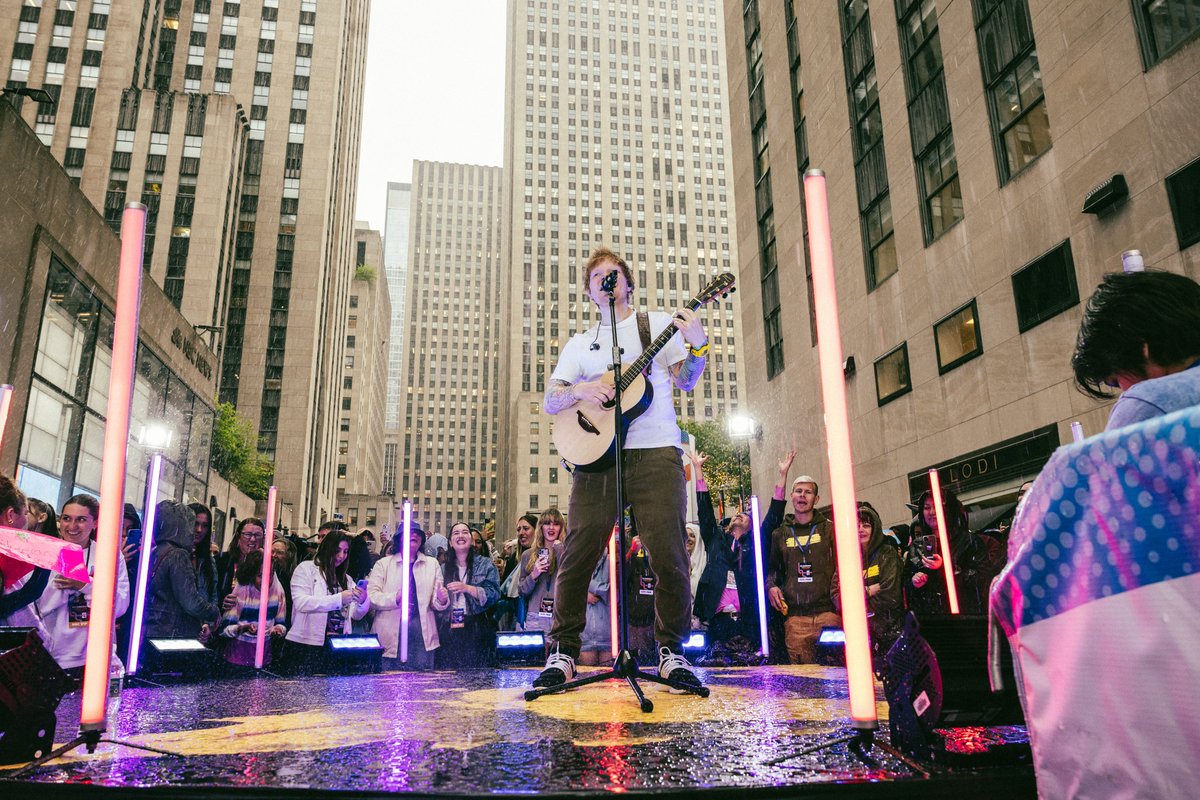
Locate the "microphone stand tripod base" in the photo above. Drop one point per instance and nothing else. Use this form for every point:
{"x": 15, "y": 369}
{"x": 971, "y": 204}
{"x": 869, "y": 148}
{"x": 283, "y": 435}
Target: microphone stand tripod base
{"x": 624, "y": 668}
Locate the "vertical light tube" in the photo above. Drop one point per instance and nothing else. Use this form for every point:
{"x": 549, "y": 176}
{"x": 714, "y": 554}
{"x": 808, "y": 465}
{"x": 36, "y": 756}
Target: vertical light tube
{"x": 149, "y": 513}
{"x": 1077, "y": 431}
{"x": 616, "y": 594}
{"x": 760, "y": 574}
{"x": 841, "y": 464}
{"x": 935, "y": 485}
{"x": 405, "y": 589}
{"x": 264, "y": 591}
{"x": 5, "y": 402}
{"x": 112, "y": 468}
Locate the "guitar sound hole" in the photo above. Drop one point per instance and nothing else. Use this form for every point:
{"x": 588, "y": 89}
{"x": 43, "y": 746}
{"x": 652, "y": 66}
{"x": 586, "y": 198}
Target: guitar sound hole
{"x": 586, "y": 424}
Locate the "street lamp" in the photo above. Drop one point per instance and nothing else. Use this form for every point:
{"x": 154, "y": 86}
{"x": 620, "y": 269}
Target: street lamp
{"x": 743, "y": 427}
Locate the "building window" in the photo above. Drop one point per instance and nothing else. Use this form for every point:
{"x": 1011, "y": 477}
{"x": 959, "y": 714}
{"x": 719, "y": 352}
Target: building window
{"x": 763, "y": 201}
{"x": 929, "y": 117}
{"x": 957, "y": 338}
{"x": 345, "y": 426}
{"x": 870, "y": 161}
{"x": 1183, "y": 192}
{"x": 1045, "y": 287}
{"x": 1164, "y": 26}
{"x": 891, "y": 375}
{"x": 1012, "y": 82}
{"x": 341, "y": 470}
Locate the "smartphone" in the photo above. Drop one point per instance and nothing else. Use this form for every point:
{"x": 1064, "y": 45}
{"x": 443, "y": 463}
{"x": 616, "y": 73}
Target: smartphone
{"x": 134, "y": 537}
{"x": 543, "y": 552}
{"x": 930, "y": 545}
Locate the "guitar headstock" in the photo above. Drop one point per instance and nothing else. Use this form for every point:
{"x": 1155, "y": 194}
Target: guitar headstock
{"x": 718, "y": 289}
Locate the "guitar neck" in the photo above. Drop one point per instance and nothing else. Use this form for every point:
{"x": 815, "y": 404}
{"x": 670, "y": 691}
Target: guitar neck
{"x": 630, "y": 372}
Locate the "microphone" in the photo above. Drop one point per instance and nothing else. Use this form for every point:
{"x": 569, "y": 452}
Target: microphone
{"x": 609, "y": 283}
{"x": 595, "y": 346}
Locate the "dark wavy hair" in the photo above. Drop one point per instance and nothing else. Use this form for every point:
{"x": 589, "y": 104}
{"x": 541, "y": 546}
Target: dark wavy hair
{"x": 335, "y": 577}
{"x": 1132, "y": 317}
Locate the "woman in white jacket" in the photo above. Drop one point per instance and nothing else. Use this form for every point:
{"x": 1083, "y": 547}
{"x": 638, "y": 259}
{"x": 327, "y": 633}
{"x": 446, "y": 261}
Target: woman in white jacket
{"x": 427, "y": 593}
{"x": 324, "y": 601}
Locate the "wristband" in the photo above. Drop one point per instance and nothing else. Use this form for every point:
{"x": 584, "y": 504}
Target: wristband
{"x": 699, "y": 352}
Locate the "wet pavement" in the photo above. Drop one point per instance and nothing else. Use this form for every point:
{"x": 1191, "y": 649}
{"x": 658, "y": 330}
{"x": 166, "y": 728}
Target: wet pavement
{"x": 473, "y": 732}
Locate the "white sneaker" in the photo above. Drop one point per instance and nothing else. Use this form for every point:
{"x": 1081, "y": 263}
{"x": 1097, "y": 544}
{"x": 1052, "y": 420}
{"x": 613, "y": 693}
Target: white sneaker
{"x": 675, "y": 667}
{"x": 559, "y": 669}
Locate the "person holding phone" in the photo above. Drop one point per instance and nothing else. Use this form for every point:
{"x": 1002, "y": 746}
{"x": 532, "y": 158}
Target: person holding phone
{"x": 465, "y": 630}
{"x": 976, "y": 559}
{"x": 326, "y": 601}
{"x": 536, "y": 574}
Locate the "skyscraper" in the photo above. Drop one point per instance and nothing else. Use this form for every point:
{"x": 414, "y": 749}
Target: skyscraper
{"x": 616, "y": 134}
{"x": 250, "y": 228}
{"x": 395, "y": 261}
{"x": 452, "y": 344}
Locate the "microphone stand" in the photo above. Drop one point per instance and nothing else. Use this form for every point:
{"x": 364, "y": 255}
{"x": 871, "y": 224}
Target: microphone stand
{"x": 624, "y": 665}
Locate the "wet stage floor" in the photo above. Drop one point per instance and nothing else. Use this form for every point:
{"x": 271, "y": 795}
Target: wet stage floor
{"x": 473, "y": 733}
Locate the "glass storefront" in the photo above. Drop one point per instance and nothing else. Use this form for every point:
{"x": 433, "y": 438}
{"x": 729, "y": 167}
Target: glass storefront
{"x": 63, "y": 438}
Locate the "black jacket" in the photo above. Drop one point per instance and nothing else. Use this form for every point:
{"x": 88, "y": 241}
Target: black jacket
{"x": 725, "y": 554}
{"x": 176, "y": 606}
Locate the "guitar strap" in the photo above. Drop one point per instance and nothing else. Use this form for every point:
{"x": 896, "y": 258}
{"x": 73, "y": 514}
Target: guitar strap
{"x": 643, "y": 325}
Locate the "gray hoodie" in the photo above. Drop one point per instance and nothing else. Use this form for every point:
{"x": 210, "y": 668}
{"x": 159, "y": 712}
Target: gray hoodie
{"x": 175, "y": 606}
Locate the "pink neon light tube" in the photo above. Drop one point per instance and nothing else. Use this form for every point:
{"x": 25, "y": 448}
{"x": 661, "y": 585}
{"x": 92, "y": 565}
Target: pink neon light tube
{"x": 264, "y": 591}
{"x": 404, "y": 591}
{"x": 112, "y": 468}
{"x": 841, "y": 464}
{"x": 615, "y": 594}
{"x": 935, "y": 485}
{"x": 5, "y": 403}
{"x": 760, "y": 575}
{"x": 149, "y": 513}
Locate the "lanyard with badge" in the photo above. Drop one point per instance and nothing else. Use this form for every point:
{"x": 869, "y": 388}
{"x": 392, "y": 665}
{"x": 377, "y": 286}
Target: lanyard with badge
{"x": 804, "y": 569}
{"x": 79, "y": 603}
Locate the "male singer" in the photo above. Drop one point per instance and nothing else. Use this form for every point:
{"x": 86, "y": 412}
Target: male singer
{"x": 655, "y": 487}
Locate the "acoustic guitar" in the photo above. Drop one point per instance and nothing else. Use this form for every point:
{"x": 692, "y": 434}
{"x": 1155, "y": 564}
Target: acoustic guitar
{"x": 585, "y": 433}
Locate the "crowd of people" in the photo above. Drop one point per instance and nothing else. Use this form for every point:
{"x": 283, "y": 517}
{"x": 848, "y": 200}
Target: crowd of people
{"x": 464, "y": 588}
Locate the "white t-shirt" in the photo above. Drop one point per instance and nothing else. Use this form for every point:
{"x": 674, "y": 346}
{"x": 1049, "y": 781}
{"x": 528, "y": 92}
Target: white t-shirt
{"x": 657, "y": 426}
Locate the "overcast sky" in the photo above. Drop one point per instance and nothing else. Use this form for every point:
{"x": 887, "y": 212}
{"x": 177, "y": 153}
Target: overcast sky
{"x": 435, "y": 92}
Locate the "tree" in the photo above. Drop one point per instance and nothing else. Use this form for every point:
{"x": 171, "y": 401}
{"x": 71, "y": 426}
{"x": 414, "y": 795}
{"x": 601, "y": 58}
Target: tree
{"x": 365, "y": 272}
{"x": 235, "y": 456}
{"x": 723, "y": 470}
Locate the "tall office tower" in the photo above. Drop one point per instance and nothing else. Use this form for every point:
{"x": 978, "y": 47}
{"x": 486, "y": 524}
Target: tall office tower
{"x": 395, "y": 261}
{"x": 1024, "y": 154}
{"x": 250, "y": 231}
{"x": 616, "y": 133}
{"x": 364, "y": 370}
{"x": 452, "y": 344}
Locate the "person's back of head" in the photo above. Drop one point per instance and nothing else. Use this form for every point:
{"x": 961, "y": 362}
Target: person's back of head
{"x": 1135, "y": 320}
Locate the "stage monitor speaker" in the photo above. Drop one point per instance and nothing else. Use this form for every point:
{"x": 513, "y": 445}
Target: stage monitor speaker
{"x": 960, "y": 642}
{"x": 31, "y": 687}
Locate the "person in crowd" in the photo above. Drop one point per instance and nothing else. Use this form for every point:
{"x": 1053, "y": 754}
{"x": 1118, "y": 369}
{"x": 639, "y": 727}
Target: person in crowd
{"x": 697, "y": 561}
{"x": 516, "y": 547}
{"x": 436, "y": 546}
{"x": 466, "y": 631}
{"x": 131, "y": 522}
{"x": 359, "y": 564}
{"x": 1140, "y": 333}
{"x": 882, "y": 576}
{"x": 283, "y": 561}
{"x": 175, "y": 606}
{"x": 655, "y": 486}
{"x": 800, "y": 579}
{"x": 203, "y": 563}
{"x": 596, "y": 642}
{"x": 64, "y": 608}
{"x": 480, "y": 545}
{"x": 426, "y": 594}
{"x": 976, "y": 559}
{"x": 325, "y": 602}
{"x": 553, "y": 525}
{"x": 42, "y": 517}
{"x": 726, "y": 597}
{"x": 536, "y": 576}
{"x": 641, "y": 588}
{"x": 248, "y": 536}
{"x": 15, "y": 513}
{"x": 239, "y": 625}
